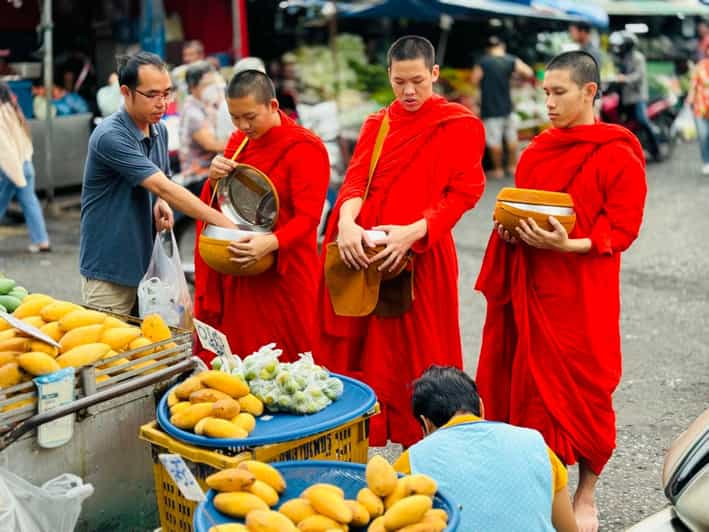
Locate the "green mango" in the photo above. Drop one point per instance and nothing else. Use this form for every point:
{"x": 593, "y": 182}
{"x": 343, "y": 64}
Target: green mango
{"x": 19, "y": 294}
{"x": 3, "y": 308}
{"x": 9, "y": 302}
{"x": 6, "y": 285}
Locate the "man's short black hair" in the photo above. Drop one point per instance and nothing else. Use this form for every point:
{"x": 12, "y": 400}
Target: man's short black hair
{"x": 197, "y": 45}
{"x": 412, "y": 47}
{"x": 494, "y": 41}
{"x": 581, "y": 65}
{"x": 128, "y": 66}
{"x": 254, "y": 83}
{"x": 441, "y": 392}
{"x": 581, "y": 26}
{"x": 195, "y": 72}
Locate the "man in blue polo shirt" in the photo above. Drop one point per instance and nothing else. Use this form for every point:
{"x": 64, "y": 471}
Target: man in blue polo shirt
{"x": 126, "y": 186}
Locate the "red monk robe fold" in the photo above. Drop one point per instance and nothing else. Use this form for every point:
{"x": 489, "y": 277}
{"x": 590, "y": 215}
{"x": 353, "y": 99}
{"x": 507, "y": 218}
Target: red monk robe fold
{"x": 550, "y": 356}
{"x": 430, "y": 167}
{"x": 278, "y": 305}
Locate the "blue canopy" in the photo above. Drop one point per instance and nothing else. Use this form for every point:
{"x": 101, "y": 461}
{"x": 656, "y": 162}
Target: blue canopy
{"x": 587, "y": 11}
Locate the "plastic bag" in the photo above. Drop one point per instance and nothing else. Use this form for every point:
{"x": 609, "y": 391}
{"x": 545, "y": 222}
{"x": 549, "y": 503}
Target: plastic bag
{"x": 163, "y": 289}
{"x": 685, "y": 125}
{"x": 53, "y": 507}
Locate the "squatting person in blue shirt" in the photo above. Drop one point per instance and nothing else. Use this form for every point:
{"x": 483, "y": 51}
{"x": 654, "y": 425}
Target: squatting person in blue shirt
{"x": 502, "y": 477}
{"x": 126, "y": 186}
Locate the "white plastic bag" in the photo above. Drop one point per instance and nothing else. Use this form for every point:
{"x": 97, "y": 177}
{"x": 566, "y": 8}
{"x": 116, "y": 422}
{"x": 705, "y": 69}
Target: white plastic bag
{"x": 53, "y": 507}
{"x": 163, "y": 289}
{"x": 685, "y": 125}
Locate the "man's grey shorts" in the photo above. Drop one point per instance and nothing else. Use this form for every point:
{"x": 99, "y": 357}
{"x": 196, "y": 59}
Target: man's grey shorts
{"x": 499, "y": 128}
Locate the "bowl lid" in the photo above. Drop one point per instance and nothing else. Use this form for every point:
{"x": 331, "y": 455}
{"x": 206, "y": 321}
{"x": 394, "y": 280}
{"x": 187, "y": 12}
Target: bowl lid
{"x": 247, "y": 196}
{"x": 536, "y": 197}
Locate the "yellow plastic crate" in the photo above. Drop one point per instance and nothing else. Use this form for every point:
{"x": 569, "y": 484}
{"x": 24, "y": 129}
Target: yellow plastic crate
{"x": 346, "y": 443}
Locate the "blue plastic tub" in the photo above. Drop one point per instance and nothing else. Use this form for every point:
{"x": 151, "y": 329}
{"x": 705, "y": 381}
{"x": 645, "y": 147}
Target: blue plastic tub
{"x": 357, "y": 399}
{"x": 300, "y": 475}
{"x": 23, "y": 90}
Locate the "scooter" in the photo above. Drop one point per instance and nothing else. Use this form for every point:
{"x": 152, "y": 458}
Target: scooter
{"x": 662, "y": 113}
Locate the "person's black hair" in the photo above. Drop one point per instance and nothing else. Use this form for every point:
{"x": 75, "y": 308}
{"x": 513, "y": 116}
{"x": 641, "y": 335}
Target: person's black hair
{"x": 412, "y": 47}
{"x": 581, "y": 65}
{"x": 197, "y": 45}
{"x": 195, "y": 72}
{"x": 441, "y": 392}
{"x": 493, "y": 41}
{"x": 254, "y": 83}
{"x": 581, "y": 25}
{"x": 129, "y": 65}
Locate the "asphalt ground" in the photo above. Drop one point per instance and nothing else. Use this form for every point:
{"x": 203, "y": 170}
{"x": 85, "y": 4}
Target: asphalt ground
{"x": 665, "y": 320}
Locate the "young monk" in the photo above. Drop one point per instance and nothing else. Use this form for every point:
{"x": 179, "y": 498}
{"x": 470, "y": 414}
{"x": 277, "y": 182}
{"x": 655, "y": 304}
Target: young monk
{"x": 503, "y": 477}
{"x": 279, "y": 304}
{"x": 428, "y": 175}
{"x": 550, "y": 357}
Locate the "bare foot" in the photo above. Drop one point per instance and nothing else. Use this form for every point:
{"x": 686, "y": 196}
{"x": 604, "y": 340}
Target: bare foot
{"x": 497, "y": 174}
{"x": 586, "y": 515}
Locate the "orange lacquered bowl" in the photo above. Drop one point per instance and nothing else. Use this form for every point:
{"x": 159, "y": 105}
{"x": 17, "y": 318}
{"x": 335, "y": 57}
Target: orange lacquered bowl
{"x": 213, "y": 248}
{"x": 514, "y": 204}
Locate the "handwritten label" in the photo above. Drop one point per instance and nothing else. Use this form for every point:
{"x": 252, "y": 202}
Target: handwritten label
{"x": 182, "y": 477}
{"x": 27, "y": 329}
{"x": 212, "y": 339}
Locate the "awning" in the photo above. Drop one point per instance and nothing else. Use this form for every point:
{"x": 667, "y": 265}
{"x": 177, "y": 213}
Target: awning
{"x": 654, "y": 7}
{"x": 588, "y": 11}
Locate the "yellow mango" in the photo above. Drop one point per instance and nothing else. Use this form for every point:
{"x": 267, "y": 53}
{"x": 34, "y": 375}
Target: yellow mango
{"x": 172, "y": 399}
{"x": 207, "y": 395}
{"x": 32, "y": 306}
{"x": 115, "y": 363}
{"x": 238, "y": 504}
{"x": 360, "y": 514}
{"x": 229, "y": 527}
{"x": 373, "y": 504}
{"x": 425, "y": 526}
{"x": 381, "y": 476}
{"x": 83, "y": 355}
{"x": 81, "y": 318}
{"x": 57, "y": 310}
{"x": 246, "y": 421}
{"x": 140, "y": 343}
{"x": 337, "y": 490}
{"x": 407, "y": 511}
{"x": 199, "y": 427}
{"x": 37, "y": 363}
{"x": 188, "y": 418}
{"x": 232, "y": 479}
{"x": 422, "y": 485}
{"x": 19, "y": 404}
{"x": 225, "y": 409}
{"x": 8, "y": 333}
{"x": 119, "y": 337}
{"x": 9, "y": 356}
{"x": 177, "y": 407}
{"x": 35, "y": 321}
{"x": 251, "y": 404}
{"x": 155, "y": 329}
{"x": 10, "y": 375}
{"x": 39, "y": 346}
{"x": 268, "y": 521}
{"x": 53, "y": 330}
{"x": 264, "y": 491}
{"x": 328, "y": 503}
{"x": 4, "y": 325}
{"x": 224, "y": 382}
{"x": 319, "y": 523}
{"x": 377, "y": 525}
{"x": 401, "y": 490}
{"x": 297, "y": 510}
{"x": 222, "y": 428}
{"x": 112, "y": 322}
{"x": 436, "y": 513}
{"x": 265, "y": 473}
{"x": 187, "y": 387}
{"x": 18, "y": 343}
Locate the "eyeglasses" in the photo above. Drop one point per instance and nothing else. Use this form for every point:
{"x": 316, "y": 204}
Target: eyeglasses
{"x": 168, "y": 95}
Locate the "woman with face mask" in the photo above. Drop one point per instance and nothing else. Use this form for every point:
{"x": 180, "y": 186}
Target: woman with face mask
{"x": 198, "y": 141}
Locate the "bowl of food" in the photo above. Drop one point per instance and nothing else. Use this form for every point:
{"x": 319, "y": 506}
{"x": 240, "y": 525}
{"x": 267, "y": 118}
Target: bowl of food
{"x": 213, "y": 248}
{"x": 515, "y": 204}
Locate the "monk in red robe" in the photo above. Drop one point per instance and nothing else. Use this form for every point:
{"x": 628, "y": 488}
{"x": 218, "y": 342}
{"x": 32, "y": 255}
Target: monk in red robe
{"x": 550, "y": 356}
{"x": 279, "y": 304}
{"x": 428, "y": 175}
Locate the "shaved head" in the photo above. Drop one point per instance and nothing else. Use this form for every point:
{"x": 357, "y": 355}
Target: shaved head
{"x": 582, "y": 67}
{"x": 412, "y": 47}
{"x": 252, "y": 83}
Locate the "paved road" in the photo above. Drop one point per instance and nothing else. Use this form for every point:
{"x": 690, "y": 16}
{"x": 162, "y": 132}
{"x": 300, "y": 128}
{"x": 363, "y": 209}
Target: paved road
{"x": 665, "y": 321}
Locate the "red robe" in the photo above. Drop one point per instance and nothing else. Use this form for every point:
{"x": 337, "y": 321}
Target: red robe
{"x": 278, "y": 305}
{"x": 550, "y": 356}
{"x": 430, "y": 167}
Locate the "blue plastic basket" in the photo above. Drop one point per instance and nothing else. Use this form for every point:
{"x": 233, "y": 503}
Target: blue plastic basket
{"x": 357, "y": 399}
{"x": 300, "y": 475}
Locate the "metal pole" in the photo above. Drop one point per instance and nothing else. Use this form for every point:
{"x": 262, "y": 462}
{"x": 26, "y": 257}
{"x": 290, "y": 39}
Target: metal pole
{"x": 49, "y": 89}
{"x": 236, "y": 28}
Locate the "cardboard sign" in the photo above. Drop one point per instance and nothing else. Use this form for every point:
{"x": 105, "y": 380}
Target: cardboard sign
{"x": 182, "y": 477}
{"x": 27, "y": 329}
{"x": 212, "y": 339}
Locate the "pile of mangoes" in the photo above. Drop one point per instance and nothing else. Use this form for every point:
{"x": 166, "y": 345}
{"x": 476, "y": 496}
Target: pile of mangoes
{"x": 11, "y": 294}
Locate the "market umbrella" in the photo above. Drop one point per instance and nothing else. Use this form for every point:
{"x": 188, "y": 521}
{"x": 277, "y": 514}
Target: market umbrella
{"x": 590, "y": 12}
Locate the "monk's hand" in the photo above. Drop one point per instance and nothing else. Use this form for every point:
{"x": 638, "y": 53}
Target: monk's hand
{"x": 220, "y": 167}
{"x": 398, "y": 242}
{"x": 351, "y": 240}
{"x": 248, "y": 252}
{"x": 531, "y": 234}
{"x": 504, "y": 233}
